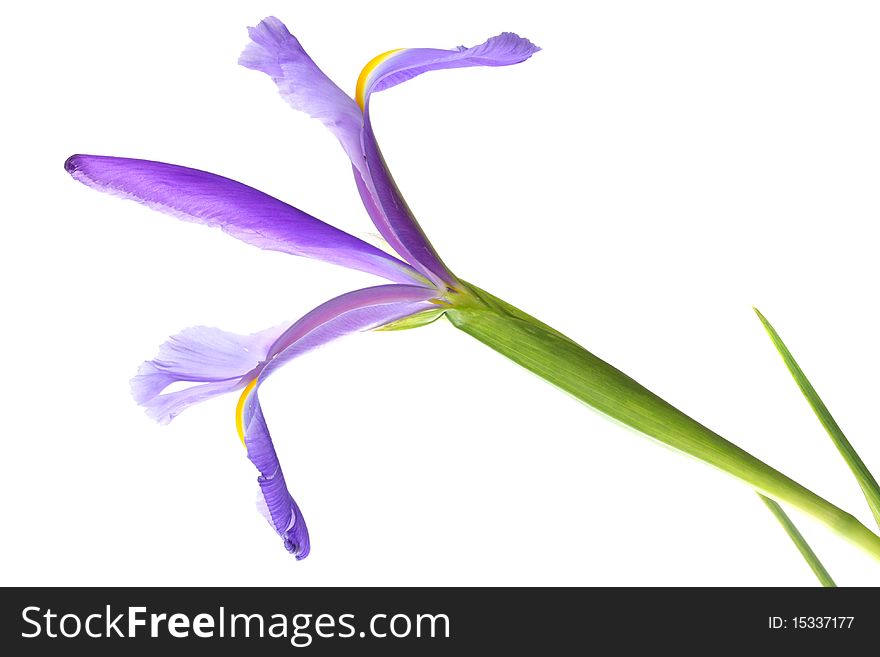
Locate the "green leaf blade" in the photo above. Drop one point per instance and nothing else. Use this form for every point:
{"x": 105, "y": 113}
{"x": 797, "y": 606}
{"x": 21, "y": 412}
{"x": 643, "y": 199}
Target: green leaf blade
{"x": 800, "y": 542}
{"x": 863, "y": 476}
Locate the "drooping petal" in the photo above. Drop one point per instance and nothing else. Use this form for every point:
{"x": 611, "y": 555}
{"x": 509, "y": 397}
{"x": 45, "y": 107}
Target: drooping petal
{"x": 215, "y": 361}
{"x": 241, "y": 211}
{"x": 393, "y": 68}
{"x": 349, "y": 313}
{"x": 277, "y": 53}
{"x": 274, "y": 499}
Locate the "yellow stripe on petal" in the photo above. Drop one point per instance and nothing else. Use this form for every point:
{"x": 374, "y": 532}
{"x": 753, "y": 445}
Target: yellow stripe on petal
{"x": 239, "y": 410}
{"x": 361, "y": 88}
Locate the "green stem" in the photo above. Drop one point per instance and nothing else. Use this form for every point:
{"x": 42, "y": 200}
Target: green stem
{"x": 570, "y": 367}
{"x": 800, "y": 542}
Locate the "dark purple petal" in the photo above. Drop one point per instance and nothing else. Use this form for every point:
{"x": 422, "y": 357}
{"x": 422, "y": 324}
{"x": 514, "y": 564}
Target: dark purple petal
{"x": 239, "y": 210}
{"x": 277, "y": 53}
{"x": 274, "y": 501}
{"x": 378, "y": 217}
{"x": 396, "y": 217}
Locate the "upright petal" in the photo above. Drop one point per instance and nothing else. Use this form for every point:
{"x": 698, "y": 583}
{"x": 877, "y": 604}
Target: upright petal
{"x": 241, "y": 211}
{"x": 277, "y": 53}
{"x": 379, "y": 219}
{"x": 394, "y": 215}
{"x": 393, "y": 68}
{"x": 274, "y": 51}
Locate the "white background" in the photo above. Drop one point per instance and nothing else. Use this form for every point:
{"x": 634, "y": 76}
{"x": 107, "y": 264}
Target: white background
{"x": 639, "y": 184}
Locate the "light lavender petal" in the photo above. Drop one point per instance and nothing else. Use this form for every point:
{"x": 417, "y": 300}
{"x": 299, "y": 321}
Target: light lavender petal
{"x": 277, "y": 53}
{"x": 215, "y": 361}
{"x": 503, "y": 50}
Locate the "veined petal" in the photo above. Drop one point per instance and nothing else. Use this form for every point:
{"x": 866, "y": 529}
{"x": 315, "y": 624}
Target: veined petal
{"x": 349, "y": 313}
{"x": 277, "y": 53}
{"x": 379, "y": 218}
{"x": 215, "y": 361}
{"x": 391, "y": 69}
{"x": 401, "y": 65}
{"x": 219, "y": 362}
{"x": 241, "y": 211}
{"x": 274, "y": 499}
{"x": 395, "y": 219}
{"x": 361, "y": 310}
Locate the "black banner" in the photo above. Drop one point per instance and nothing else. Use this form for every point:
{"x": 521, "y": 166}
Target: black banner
{"x": 434, "y": 621}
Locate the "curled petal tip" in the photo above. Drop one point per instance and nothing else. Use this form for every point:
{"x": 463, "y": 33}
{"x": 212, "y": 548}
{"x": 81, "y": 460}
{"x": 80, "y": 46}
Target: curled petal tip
{"x": 298, "y": 551}
{"x": 71, "y": 164}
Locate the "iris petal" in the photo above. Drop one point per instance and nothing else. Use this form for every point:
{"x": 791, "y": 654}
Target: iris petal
{"x": 219, "y": 362}
{"x": 349, "y": 313}
{"x": 277, "y": 53}
{"x": 414, "y": 245}
{"x": 274, "y": 500}
{"x": 361, "y": 310}
{"x": 241, "y": 211}
{"x": 503, "y": 50}
{"x": 216, "y": 361}
{"x": 392, "y": 69}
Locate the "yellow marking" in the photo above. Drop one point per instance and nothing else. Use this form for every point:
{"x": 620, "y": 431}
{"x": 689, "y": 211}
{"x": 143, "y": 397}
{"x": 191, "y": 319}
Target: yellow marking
{"x": 239, "y": 410}
{"x": 368, "y": 69}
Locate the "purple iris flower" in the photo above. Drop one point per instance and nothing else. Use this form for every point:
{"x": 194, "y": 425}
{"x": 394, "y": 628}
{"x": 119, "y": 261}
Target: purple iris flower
{"x": 215, "y": 362}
